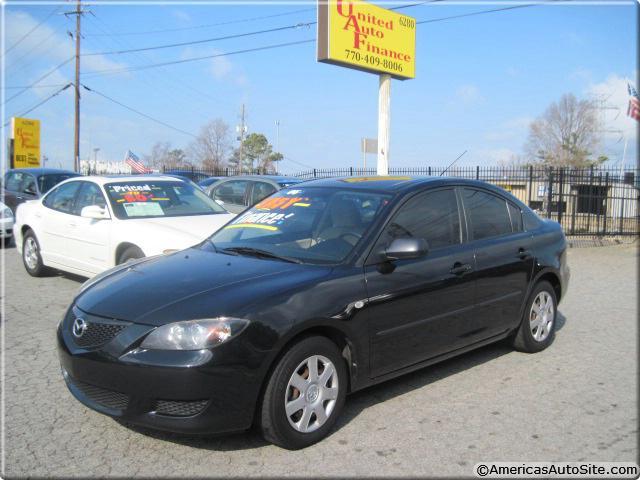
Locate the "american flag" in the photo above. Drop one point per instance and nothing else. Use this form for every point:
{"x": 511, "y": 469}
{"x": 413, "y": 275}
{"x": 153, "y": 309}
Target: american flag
{"x": 634, "y": 103}
{"x": 134, "y": 162}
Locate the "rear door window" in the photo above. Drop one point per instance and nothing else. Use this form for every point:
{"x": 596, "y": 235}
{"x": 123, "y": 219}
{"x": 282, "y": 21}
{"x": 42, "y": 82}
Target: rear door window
{"x": 516, "y": 217}
{"x": 233, "y": 192}
{"x": 261, "y": 190}
{"x": 487, "y": 214}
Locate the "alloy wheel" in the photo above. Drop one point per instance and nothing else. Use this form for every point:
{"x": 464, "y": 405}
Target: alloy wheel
{"x": 541, "y": 316}
{"x": 31, "y": 253}
{"x": 311, "y": 394}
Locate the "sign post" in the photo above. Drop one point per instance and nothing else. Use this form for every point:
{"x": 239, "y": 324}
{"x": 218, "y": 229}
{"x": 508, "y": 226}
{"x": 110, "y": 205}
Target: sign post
{"x": 356, "y": 34}
{"x": 384, "y": 123}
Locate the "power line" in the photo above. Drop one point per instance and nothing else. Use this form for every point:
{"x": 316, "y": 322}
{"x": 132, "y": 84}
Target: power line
{"x": 179, "y": 29}
{"x": 12, "y": 87}
{"x": 32, "y": 30}
{"x": 482, "y": 12}
{"x": 237, "y": 35}
{"x": 39, "y": 80}
{"x": 206, "y": 40}
{"x": 40, "y": 103}
{"x": 149, "y": 117}
{"x": 281, "y": 45}
{"x": 31, "y": 50}
{"x": 194, "y": 59}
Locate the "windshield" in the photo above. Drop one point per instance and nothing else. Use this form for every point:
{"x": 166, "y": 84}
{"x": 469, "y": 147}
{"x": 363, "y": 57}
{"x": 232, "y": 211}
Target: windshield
{"x": 310, "y": 225}
{"x": 48, "y": 181}
{"x": 153, "y": 199}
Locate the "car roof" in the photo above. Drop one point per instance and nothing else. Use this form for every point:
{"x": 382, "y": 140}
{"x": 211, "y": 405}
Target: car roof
{"x": 103, "y": 179}
{"x": 273, "y": 178}
{"x": 395, "y": 183}
{"x": 43, "y": 171}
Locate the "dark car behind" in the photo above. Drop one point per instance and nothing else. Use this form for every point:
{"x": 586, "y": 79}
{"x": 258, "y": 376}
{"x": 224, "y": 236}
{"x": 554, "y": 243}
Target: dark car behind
{"x": 22, "y": 184}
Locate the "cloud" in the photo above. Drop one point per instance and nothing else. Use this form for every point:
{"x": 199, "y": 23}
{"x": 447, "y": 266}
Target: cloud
{"x": 613, "y": 96}
{"x": 181, "y": 16}
{"x": 513, "y": 72}
{"x": 468, "y": 95}
{"x": 45, "y": 45}
{"x": 509, "y": 130}
{"x": 220, "y": 68}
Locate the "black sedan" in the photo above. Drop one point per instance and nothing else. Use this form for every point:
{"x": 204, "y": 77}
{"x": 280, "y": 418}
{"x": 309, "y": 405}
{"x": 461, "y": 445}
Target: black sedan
{"x": 317, "y": 291}
{"x": 22, "y": 184}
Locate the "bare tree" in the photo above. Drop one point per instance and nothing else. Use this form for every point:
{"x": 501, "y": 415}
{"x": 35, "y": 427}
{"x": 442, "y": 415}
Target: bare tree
{"x": 163, "y": 157}
{"x": 212, "y": 145}
{"x": 567, "y": 134}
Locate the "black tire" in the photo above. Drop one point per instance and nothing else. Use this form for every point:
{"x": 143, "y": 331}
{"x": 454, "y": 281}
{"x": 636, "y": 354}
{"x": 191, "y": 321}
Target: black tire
{"x": 273, "y": 418}
{"x": 524, "y": 340}
{"x": 130, "y": 253}
{"x": 37, "y": 268}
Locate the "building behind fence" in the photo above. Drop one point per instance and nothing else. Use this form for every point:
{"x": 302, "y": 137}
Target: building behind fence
{"x": 588, "y": 201}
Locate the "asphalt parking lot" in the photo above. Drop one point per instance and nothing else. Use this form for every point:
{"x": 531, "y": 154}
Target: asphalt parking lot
{"x": 576, "y": 401}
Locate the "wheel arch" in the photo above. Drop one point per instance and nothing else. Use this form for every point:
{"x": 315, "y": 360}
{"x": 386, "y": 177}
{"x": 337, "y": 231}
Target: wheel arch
{"x": 122, "y": 246}
{"x": 336, "y": 335}
{"x": 554, "y": 279}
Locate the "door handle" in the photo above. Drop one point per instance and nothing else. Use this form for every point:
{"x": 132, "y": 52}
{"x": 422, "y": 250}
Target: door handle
{"x": 524, "y": 254}
{"x": 460, "y": 268}
{"x": 72, "y": 224}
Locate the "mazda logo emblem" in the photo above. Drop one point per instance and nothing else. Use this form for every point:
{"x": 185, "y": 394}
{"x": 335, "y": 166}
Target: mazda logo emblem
{"x": 79, "y": 327}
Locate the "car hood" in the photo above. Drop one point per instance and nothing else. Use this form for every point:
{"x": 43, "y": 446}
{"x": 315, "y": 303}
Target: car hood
{"x": 193, "y": 283}
{"x": 186, "y": 229}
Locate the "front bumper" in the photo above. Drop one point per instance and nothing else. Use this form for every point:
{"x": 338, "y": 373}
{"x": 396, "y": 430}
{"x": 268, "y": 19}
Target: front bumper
{"x": 6, "y": 228}
{"x": 200, "y": 392}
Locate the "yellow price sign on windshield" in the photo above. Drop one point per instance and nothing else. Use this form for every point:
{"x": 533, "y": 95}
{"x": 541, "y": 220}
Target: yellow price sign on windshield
{"x": 357, "y": 34}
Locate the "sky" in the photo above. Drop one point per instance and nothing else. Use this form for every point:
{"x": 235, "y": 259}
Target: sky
{"x": 480, "y": 80}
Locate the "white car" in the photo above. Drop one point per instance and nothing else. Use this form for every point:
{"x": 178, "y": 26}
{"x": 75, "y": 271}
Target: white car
{"x": 6, "y": 223}
{"x": 86, "y": 225}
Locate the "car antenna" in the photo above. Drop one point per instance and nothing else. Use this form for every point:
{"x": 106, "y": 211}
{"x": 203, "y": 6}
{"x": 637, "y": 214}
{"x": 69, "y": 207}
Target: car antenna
{"x": 451, "y": 164}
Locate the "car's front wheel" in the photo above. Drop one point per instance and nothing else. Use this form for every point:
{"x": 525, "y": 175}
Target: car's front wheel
{"x": 130, "y": 253}
{"x": 305, "y": 394}
{"x": 537, "y": 329}
{"x": 31, "y": 257}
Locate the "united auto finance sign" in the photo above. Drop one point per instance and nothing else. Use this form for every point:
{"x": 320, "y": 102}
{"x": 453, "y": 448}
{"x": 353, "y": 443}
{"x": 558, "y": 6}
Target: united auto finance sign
{"x": 360, "y": 35}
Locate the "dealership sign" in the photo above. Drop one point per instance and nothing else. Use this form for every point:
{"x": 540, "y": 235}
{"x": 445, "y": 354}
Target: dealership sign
{"x": 25, "y": 135}
{"x": 359, "y": 35}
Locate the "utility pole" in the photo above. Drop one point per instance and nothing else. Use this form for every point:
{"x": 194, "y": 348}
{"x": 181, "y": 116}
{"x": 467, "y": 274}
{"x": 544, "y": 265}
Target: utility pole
{"x": 242, "y": 128}
{"x": 76, "y": 136}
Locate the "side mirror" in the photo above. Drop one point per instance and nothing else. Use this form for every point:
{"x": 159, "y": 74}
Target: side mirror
{"x": 96, "y": 212}
{"x": 30, "y": 191}
{"x": 219, "y": 202}
{"x": 406, "y": 248}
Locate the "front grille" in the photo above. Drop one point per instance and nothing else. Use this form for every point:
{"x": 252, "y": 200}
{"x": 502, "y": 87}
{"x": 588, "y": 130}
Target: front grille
{"x": 102, "y": 396}
{"x": 96, "y": 334}
{"x": 180, "y": 408}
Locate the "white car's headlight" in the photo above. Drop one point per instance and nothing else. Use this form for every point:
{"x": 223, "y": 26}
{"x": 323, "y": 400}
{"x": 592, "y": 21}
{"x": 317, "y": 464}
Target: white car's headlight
{"x": 6, "y": 213}
{"x": 194, "y": 334}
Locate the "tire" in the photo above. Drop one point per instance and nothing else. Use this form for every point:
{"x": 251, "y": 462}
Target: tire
{"x": 533, "y": 336}
{"x": 31, "y": 258}
{"x": 277, "y": 427}
{"x": 130, "y": 253}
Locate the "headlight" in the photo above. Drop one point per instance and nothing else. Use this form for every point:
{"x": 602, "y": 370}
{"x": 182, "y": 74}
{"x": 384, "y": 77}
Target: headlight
{"x": 6, "y": 213}
{"x": 194, "y": 334}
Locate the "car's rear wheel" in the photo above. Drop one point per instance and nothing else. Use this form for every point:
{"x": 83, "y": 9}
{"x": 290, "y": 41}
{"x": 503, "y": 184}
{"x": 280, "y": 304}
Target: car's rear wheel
{"x": 537, "y": 329}
{"x": 31, "y": 257}
{"x": 305, "y": 394}
{"x": 130, "y": 253}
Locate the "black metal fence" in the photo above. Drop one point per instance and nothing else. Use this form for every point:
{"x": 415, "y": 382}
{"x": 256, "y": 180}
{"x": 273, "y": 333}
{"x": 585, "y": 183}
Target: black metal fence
{"x": 590, "y": 201}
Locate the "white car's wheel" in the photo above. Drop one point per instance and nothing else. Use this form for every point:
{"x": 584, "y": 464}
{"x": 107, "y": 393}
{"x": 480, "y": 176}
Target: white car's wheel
{"x": 31, "y": 257}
